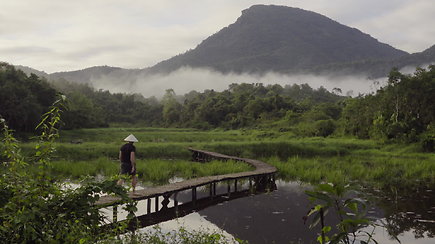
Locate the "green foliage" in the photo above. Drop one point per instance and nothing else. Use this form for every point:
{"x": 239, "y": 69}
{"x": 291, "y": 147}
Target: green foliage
{"x": 374, "y": 167}
{"x": 154, "y": 171}
{"x": 351, "y": 211}
{"x": 241, "y": 105}
{"x": 23, "y": 98}
{"x": 392, "y": 113}
{"x": 171, "y": 108}
{"x": 311, "y": 160}
{"x": 404, "y": 110}
{"x": 35, "y": 208}
{"x": 180, "y": 236}
{"x": 83, "y": 113}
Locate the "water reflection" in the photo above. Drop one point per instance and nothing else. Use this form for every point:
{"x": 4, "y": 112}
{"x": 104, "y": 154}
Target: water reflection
{"x": 410, "y": 213}
{"x": 276, "y": 216}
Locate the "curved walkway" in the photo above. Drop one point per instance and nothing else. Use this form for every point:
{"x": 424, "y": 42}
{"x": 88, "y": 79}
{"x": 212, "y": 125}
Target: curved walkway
{"x": 261, "y": 169}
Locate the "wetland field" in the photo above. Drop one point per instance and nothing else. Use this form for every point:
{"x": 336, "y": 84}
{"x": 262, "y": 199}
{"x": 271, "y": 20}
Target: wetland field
{"x": 398, "y": 178}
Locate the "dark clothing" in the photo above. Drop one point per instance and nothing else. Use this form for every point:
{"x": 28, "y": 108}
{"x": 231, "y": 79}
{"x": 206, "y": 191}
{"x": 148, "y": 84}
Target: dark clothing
{"x": 126, "y": 169}
{"x": 125, "y": 158}
{"x": 126, "y": 150}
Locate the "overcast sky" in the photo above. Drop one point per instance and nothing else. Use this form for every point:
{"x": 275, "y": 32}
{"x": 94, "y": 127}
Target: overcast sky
{"x": 64, "y": 35}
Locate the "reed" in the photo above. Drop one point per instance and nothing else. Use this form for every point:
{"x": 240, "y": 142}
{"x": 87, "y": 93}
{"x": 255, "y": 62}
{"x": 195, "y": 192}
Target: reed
{"x": 162, "y": 154}
{"x": 153, "y": 171}
{"x": 374, "y": 169}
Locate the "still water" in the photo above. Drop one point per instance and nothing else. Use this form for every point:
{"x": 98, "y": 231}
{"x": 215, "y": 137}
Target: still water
{"x": 277, "y": 216}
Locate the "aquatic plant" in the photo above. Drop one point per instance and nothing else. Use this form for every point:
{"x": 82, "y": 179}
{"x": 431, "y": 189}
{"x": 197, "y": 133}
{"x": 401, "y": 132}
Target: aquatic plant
{"x": 181, "y": 236}
{"x": 350, "y": 210}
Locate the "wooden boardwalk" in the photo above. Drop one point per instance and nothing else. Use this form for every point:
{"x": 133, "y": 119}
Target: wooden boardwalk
{"x": 259, "y": 179}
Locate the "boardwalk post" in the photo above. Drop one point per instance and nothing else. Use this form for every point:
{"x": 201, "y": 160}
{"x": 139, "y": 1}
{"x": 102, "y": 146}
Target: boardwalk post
{"x": 229, "y": 188}
{"x": 115, "y": 213}
{"x": 157, "y": 204}
{"x": 165, "y": 201}
{"x": 235, "y": 185}
{"x": 148, "y": 205}
{"x": 194, "y": 195}
{"x": 211, "y": 190}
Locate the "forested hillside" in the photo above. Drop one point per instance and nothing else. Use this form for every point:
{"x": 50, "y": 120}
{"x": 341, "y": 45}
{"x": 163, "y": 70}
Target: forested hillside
{"x": 23, "y": 99}
{"x": 404, "y": 110}
{"x": 281, "y": 39}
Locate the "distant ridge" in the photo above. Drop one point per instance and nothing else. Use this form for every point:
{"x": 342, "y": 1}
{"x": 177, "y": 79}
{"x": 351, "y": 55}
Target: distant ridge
{"x": 85, "y": 75}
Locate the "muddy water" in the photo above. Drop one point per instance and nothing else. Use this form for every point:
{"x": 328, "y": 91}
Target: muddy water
{"x": 277, "y": 216}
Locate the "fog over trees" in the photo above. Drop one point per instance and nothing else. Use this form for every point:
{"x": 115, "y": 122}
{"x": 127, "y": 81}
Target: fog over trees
{"x": 402, "y": 110}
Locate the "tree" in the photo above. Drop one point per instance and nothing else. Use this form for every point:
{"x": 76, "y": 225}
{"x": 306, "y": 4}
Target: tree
{"x": 171, "y": 108}
{"x": 402, "y": 110}
{"x": 23, "y": 98}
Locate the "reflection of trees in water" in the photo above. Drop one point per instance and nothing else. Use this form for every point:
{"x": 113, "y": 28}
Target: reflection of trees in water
{"x": 410, "y": 209}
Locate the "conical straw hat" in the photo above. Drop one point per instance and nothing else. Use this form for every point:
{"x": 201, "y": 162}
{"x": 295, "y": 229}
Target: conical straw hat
{"x": 131, "y": 138}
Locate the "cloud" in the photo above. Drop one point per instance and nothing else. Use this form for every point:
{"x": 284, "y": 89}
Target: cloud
{"x": 409, "y": 27}
{"x": 137, "y": 34}
{"x": 28, "y": 50}
{"x": 187, "y": 79}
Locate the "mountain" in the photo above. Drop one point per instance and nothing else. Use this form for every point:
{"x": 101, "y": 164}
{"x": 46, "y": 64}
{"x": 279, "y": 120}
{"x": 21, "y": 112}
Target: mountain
{"x": 86, "y": 75}
{"x": 282, "y": 39}
{"x": 378, "y": 68}
{"x": 29, "y": 70}
{"x": 417, "y": 59}
{"x": 271, "y": 38}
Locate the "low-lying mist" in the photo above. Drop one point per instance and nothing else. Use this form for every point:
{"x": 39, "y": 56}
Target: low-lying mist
{"x": 187, "y": 79}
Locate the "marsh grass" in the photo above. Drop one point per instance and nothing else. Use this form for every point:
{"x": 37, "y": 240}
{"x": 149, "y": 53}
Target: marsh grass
{"x": 152, "y": 135}
{"x": 154, "y": 171}
{"x": 178, "y": 150}
{"x": 161, "y": 171}
{"x": 162, "y": 154}
{"x": 79, "y": 169}
{"x": 381, "y": 170}
{"x": 90, "y": 144}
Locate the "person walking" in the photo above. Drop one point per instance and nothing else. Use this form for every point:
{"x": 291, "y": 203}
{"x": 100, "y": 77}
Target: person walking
{"x": 127, "y": 158}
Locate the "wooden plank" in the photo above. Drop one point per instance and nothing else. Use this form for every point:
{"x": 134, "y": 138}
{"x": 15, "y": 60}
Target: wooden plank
{"x": 261, "y": 168}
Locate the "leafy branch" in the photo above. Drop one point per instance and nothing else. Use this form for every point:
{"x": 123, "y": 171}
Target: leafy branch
{"x": 350, "y": 209}
{"x": 39, "y": 209}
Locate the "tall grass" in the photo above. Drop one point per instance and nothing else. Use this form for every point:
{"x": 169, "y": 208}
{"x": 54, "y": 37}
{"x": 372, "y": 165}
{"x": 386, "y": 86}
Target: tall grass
{"x": 154, "y": 171}
{"x": 380, "y": 170}
{"x": 152, "y": 135}
{"x": 178, "y": 150}
{"x": 162, "y": 154}
{"x": 79, "y": 169}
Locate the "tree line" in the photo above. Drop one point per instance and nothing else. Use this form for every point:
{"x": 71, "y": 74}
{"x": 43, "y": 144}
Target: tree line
{"x": 402, "y": 110}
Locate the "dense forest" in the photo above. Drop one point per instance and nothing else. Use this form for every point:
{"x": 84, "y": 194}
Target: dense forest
{"x": 403, "y": 110}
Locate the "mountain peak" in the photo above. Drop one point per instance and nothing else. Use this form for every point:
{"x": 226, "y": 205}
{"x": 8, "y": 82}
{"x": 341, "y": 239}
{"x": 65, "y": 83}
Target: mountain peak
{"x": 283, "y": 39}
